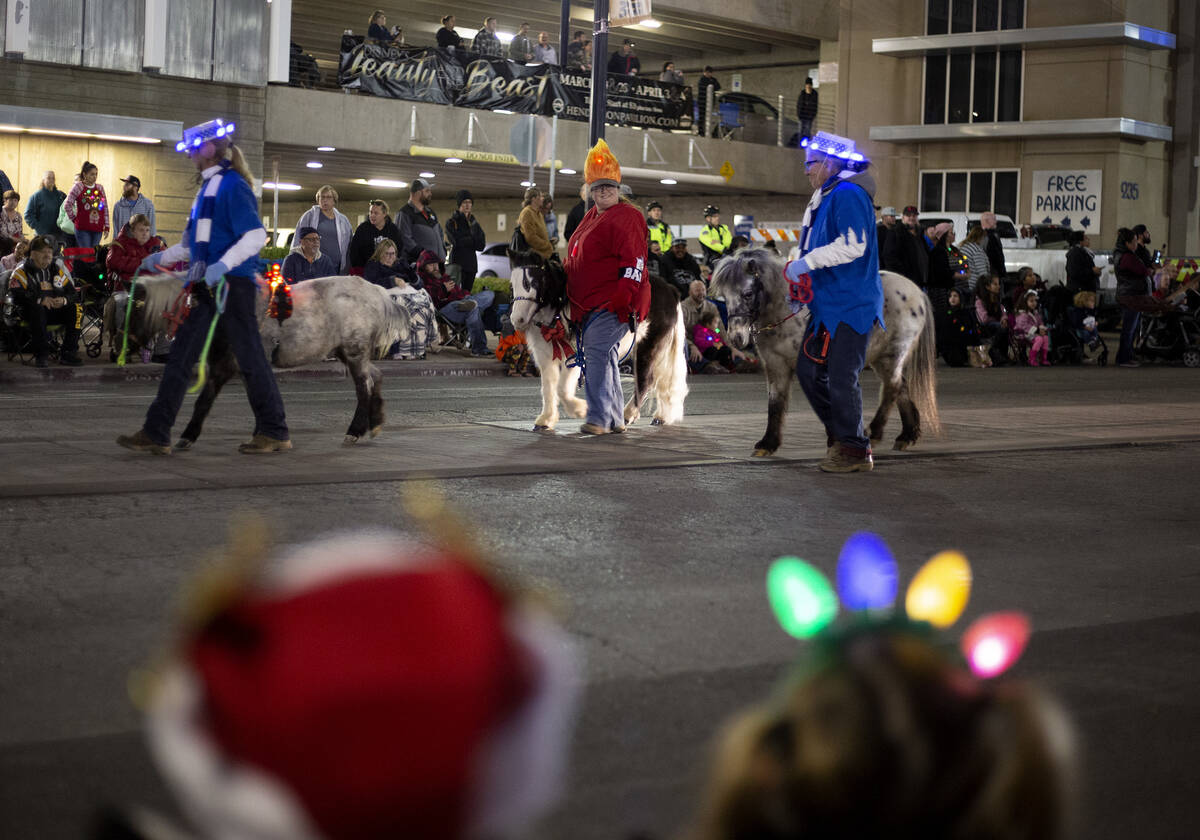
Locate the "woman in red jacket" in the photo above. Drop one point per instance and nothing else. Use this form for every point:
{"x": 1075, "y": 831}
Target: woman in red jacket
{"x": 606, "y": 258}
{"x": 131, "y": 246}
{"x": 87, "y": 207}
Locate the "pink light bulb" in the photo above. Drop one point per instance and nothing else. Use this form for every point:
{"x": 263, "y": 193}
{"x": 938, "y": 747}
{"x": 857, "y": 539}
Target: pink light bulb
{"x": 994, "y": 642}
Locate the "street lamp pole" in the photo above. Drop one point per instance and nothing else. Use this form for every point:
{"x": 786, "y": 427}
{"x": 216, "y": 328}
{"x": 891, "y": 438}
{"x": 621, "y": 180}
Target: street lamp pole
{"x": 599, "y": 73}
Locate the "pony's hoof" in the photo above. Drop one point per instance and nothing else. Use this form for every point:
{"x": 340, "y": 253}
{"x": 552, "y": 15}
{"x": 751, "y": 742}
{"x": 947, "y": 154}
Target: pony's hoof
{"x": 184, "y": 444}
{"x": 375, "y": 430}
{"x": 900, "y": 445}
{"x": 540, "y": 427}
{"x": 657, "y": 421}
{"x": 350, "y": 440}
{"x": 763, "y": 453}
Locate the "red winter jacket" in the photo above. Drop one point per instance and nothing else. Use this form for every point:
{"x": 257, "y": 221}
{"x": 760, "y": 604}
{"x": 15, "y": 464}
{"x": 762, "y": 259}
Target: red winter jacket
{"x": 606, "y": 262}
{"x": 126, "y": 255}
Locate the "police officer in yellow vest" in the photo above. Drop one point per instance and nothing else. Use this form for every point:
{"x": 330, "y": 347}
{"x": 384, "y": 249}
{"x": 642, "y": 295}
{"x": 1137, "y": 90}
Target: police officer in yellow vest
{"x": 659, "y": 232}
{"x": 714, "y": 236}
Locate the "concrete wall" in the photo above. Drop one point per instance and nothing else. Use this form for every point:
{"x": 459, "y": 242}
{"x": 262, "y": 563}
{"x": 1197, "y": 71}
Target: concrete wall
{"x": 167, "y": 177}
{"x": 289, "y": 122}
{"x": 813, "y": 18}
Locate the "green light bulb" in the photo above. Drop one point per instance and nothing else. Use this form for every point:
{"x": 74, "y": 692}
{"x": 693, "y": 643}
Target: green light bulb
{"x": 803, "y": 601}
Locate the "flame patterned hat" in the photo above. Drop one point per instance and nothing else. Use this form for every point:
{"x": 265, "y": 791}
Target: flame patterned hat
{"x": 601, "y": 167}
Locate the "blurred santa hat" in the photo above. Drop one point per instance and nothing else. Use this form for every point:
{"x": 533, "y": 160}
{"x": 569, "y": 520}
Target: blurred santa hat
{"x": 364, "y": 686}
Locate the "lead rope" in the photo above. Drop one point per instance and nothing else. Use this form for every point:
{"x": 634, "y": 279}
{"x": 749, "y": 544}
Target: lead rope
{"x": 220, "y": 296}
{"x": 128, "y": 309}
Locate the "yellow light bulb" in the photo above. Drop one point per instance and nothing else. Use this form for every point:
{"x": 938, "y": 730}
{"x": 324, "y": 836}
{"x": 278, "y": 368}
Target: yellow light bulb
{"x": 939, "y": 592}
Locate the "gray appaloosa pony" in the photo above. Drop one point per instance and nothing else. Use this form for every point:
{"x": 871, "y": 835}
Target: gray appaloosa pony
{"x": 344, "y": 317}
{"x": 903, "y": 356}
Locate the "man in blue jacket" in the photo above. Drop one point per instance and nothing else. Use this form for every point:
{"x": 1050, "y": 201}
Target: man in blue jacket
{"x": 839, "y": 259}
{"x": 221, "y": 242}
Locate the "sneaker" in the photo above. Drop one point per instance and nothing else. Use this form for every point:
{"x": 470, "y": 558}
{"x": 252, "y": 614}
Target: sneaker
{"x": 1130, "y": 364}
{"x": 261, "y": 444}
{"x": 70, "y": 360}
{"x": 838, "y": 460}
{"x": 479, "y": 354}
{"x": 592, "y": 429}
{"x": 139, "y": 441}
{"x": 466, "y": 305}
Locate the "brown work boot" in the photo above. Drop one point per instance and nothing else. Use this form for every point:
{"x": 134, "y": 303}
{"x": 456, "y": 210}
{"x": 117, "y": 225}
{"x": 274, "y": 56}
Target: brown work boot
{"x": 592, "y": 429}
{"x": 140, "y": 442}
{"x": 261, "y": 444}
{"x": 839, "y": 460}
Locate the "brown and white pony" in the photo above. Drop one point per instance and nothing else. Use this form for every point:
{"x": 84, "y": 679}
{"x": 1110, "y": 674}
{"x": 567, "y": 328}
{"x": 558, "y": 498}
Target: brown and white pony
{"x": 541, "y": 310}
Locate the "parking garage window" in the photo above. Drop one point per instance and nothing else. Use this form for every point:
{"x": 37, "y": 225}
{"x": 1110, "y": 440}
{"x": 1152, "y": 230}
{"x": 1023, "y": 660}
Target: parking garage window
{"x": 962, "y": 86}
{"x": 970, "y": 191}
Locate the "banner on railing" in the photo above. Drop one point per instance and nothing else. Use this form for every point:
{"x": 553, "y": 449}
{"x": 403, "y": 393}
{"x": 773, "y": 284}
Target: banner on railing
{"x": 454, "y": 77}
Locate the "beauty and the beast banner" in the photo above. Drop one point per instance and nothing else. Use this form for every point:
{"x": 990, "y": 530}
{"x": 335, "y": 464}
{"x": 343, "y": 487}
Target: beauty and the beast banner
{"x": 455, "y": 77}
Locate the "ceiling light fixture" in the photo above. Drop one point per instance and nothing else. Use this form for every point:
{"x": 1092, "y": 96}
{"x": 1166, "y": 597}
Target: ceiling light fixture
{"x": 565, "y": 171}
{"x": 381, "y": 182}
{"x": 271, "y": 185}
{"x": 453, "y": 160}
{"x": 670, "y": 182}
{"x": 426, "y": 175}
{"x": 502, "y": 111}
{"x": 651, "y": 23}
{"x": 527, "y": 183}
{"x": 326, "y": 149}
{"x": 314, "y": 164}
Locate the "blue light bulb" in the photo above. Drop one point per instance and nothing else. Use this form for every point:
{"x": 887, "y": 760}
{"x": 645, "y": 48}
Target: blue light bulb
{"x": 866, "y": 573}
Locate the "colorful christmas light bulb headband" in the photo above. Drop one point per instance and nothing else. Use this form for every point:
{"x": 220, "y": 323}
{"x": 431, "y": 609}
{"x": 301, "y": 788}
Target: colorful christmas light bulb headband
{"x": 833, "y": 145}
{"x": 806, "y": 605}
{"x": 198, "y": 135}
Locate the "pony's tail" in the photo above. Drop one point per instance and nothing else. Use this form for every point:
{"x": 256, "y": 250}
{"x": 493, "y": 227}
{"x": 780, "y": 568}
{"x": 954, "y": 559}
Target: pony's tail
{"x": 397, "y": 325}
{"x": 921, "y": 374}
{"x": 670, "y": 377}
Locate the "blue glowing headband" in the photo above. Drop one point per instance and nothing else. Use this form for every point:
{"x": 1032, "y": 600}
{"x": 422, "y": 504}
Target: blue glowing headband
{"x": 198, "y": 135}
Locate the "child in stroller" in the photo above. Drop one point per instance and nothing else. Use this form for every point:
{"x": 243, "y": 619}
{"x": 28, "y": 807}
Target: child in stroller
{"x": 1074, "y": 330}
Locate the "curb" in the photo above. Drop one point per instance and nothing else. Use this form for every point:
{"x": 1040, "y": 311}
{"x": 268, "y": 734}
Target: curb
{"x": 17, "y": 374}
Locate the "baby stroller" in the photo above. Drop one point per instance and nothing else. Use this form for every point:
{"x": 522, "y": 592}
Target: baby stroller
{"x": 1066, "y": 347}
{"x": 1172, "y": 335}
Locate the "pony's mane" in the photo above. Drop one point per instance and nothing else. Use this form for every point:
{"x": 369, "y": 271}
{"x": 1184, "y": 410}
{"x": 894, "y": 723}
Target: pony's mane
{"x": 552, "y": 287}
{"x": 730, "y": 270}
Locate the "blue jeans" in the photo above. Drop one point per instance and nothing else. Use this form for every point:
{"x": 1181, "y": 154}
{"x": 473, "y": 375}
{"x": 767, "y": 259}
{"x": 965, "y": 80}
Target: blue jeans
{"x": 602, "y": 377}
{"x": 87, "y": 238}
{"x": 1130, "y": 318}
{"x": 241, "y": 328}
{"x": 473, "y": 319}
{"x": 833, "y": 389}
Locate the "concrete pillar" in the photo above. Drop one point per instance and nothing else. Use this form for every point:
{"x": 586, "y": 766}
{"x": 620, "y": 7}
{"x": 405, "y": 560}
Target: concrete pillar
{"x": 1183, "y": 236}
{"x": 279, "y": 52}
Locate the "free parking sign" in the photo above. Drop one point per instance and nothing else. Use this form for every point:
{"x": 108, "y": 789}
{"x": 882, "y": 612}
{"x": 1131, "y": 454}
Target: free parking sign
{"x": 1070, "y": 198}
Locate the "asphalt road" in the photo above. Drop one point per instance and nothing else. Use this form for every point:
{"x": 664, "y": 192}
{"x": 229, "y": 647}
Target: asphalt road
{"x": 659, "y": 564}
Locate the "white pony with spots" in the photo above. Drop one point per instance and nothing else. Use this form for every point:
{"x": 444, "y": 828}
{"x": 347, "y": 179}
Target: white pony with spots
{"x": 541, "y": 310}
{"x": 903, "y": 356}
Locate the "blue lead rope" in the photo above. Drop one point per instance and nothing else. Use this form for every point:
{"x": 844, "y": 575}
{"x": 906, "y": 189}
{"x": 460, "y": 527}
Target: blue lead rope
{"x": 579, "y": 360}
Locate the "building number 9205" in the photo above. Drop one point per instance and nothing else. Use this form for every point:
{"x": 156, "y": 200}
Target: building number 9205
{"x": 1129, "y": 189}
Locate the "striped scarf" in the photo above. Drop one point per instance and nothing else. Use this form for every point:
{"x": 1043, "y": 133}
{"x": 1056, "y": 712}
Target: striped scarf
{"x": 202, "y": 215}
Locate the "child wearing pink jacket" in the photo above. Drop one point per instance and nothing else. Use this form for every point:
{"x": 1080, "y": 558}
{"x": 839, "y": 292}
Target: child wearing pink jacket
{"x": 1029, "y": 327}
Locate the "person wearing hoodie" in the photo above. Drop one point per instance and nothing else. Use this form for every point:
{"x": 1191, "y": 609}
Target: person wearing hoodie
{"x": 466, "y": 239}
{"x": 453, "y": 302}
{"x": 132, "y": 203}
{"x": 133, "y": 244}
{"x": 839, "y": 261}
{"x": 371, "y": 234}
{"x": 307, "y": 260}
{"x": 333, "y": 226}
